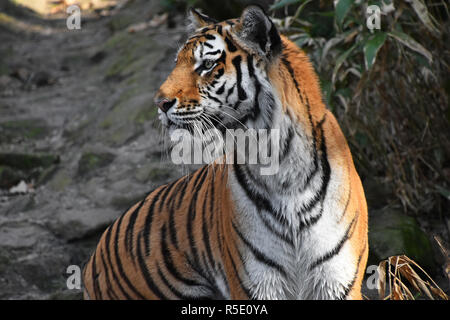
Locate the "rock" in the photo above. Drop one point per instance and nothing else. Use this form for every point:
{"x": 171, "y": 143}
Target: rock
{"x": 74, "y": 224}
{"x": 22, "y": 74}
{"x": 9, "y": 177}
{"x": 91, "y": 161}
{"x": 391, "y": 233}
{"x": 21, "y": 235}
{"x": 152, "y": 173}
{"x": 43, "y": 78}
{"x": 27, "y": 161}
{"x": 28, "y": 129}
{"x": 120, "y": 22}
{"x": 5, "y": 81}
{"x": 98, "y": 57}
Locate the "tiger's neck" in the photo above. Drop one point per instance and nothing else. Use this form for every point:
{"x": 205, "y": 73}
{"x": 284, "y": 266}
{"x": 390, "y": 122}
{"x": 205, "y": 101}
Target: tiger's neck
{"x": 294, "y": 109}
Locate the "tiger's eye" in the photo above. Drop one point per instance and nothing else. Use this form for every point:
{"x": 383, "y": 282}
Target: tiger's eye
{"x": 208, "y": 64}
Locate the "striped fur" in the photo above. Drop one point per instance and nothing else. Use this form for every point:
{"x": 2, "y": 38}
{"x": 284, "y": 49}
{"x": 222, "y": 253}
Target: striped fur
{"x": 226, "y": 231}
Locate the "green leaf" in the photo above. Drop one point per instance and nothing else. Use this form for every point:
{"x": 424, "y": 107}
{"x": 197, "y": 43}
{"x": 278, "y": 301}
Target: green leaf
{"x": 411, "y": 43}
{"x": 342, "y": 9}
{"x": 302, "y": 40}
{"x": 283, "y": 3}
{"x": 371, "y": 48}
{"x": 340, "y": 60}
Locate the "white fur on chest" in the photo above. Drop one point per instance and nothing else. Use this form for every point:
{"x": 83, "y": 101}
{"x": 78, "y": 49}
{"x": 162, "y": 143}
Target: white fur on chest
{"x": 326, "y": 281}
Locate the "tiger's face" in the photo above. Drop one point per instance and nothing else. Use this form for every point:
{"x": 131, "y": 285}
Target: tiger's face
{"x": 220, "y": 73}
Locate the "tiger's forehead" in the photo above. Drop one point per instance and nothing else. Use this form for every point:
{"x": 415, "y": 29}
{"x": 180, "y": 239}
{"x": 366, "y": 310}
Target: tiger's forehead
{"x": 206, "y": 40}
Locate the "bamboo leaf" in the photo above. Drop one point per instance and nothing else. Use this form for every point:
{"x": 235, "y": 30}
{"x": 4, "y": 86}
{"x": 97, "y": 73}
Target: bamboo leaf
{"x": 340, "y": 60}
{"x": 422, "y": 12}
{"x": 282, "y": 4}
{"x": 411, "y": 43}
{"x": 371, "y": 48}
{"x": 342, "y": 9}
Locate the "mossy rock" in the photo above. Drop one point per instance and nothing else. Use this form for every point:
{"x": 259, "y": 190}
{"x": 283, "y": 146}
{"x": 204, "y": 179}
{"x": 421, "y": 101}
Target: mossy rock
{"x": 27, "y": 161}
{"x": 150, "y": 173}
{"x": 393, "y": 233}
{"x": 125, "y": 202}
{"x": 15, "y": 167}
{"x": 146, "y": 114}
{"x": 9, "y": 177}
{"x": 119, "y": 22}
{"x": 91, "y": 161}
{"x": 59, "y": 181}
{"x": 29, "y": 129}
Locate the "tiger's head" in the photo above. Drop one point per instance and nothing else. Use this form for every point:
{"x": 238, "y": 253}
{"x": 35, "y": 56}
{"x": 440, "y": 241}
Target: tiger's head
{"x": 221, "y": 75}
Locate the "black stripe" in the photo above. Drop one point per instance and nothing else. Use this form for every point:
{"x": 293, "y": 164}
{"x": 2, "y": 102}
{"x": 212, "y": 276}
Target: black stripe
{"x": 109, "y": 290}
{"x": 144, "y": 270}
{"x": 182, "y": 191}
{"x": 230, "y": 91}
{"x": 222, "y": 57}
{"x": 221, "y": 89}
{"x": 236, "y": 272}
{"x": 261, "y": 214}
{"x": 261, "y": 257}
{"x": 129, "y": 232}
{"x": 149, "y": 220}
{"x": 192, "y": 211}
{"x": 208, "y": 45}
{"x": 251, "y": 69}
{"x": 199, "y": 271}
{"x": 350, "y": 286}
{"x": 172, "y": 223}
{"x": 212, "y": 52}
{"x": 258, "y": 200}
{"x": 171, "y": 287}
{"x": 108, "y": 257}
{"x": 205, "y": 234}
{"x": 211, "y": 203}
{"x": 164, "y": 196}
{"x": 213, "y": 98}
{"x": 97, "y": 291}
{"x": 280, "y": 235}
{"x": 287, "y": 144}
{"x": 230, "y": 44}
{"x": 237, "y": 64}
{"x": 319, "y": 196}
{"x": 119, "y": 262}
{"x": 168, "y": 262}
{"x": 336, "y": 249}
{"x": 220, "y": 73}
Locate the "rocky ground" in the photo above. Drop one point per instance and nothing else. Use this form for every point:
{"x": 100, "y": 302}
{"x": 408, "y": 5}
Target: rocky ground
{"x": 79, "y": 142}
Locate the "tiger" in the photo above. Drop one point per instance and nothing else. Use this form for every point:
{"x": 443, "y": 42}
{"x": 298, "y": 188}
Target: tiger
{"x": 226, "y": 231}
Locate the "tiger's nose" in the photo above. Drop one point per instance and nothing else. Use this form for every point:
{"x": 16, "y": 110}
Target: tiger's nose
{"x": 166, "y": 104}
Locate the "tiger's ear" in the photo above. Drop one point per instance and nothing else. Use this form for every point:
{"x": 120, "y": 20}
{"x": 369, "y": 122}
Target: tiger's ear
{"x": 199, "y": 20}
{"x": 259, "y": 32}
